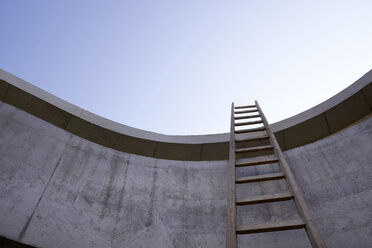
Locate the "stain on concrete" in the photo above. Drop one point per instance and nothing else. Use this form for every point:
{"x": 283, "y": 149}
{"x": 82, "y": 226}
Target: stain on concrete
{"x": 150, "y": 214}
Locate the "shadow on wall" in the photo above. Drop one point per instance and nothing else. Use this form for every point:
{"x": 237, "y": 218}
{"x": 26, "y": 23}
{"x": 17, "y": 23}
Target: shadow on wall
{"x": 7, "y": 243}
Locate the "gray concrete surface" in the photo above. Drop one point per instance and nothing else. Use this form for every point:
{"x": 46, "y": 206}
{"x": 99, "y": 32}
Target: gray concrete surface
{"x": 335, "y": 175}
{"x": 60, "y": 190}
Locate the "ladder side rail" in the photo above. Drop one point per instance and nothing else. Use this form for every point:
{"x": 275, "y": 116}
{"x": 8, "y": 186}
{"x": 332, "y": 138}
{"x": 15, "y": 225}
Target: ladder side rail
{"x": 312, "y": 231}
{"x": 231, "y": 207}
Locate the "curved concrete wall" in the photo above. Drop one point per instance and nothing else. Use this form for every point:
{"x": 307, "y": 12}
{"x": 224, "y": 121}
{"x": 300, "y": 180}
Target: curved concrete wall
{"x": 338, "y": 112}
{"x": 334, "y": 175}
{"x": 58, "y": 190}
{"x": 61, "y": 189}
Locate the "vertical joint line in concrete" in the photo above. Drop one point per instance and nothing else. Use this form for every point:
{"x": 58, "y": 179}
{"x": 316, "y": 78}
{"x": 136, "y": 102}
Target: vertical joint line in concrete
{"x": 24, "y": 229}
{"x": 366, "y": 99}
{"x": 155, "y": 150}
{"x": 67, "y": 123}
{"x": 150, "y": 213}
{"x": 284, "y": 140}
{"x": 326, "y": 120}
{"x": 6, "y": 92}
{"x": 120, "y": 204}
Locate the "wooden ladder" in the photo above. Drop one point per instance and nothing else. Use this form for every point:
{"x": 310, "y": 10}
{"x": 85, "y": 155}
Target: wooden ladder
{"x": 305, "y": 220}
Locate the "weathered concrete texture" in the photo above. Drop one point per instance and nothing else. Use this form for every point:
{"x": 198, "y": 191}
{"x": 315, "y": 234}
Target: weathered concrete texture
{"x": 29, "y": 152}
{"x": 335, "y": 175}
{"x": 59, "y": 190}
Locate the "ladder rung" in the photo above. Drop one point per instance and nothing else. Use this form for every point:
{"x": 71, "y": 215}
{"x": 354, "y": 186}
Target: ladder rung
{"x": 246, "y": 117}
{"x": 245, "y": 111}
{"x": 248, "y": 123}
{"x": 254, "y": 149}
{"x": 254, "y": 163}
{"x": 252, "y": 139}
{"x": 264, "y": 198}
{"x": 260, "y": 178}
{"x": 251, "y": 130}
{"x": 247, "y": 106}
{"x": 270, "y": 226}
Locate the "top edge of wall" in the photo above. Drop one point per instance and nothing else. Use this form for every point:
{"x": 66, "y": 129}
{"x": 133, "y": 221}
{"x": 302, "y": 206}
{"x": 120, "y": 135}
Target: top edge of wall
{"x": 330, "y": 116}
{"x": 106, "y": 123}
{"x": 324, "y": 106}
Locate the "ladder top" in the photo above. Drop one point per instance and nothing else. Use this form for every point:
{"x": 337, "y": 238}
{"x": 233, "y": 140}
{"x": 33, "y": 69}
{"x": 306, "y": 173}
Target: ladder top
{"x": 248, "y": 123}
{"x": 254, "y": 149}
{"x": 252, "y": 138}
{"x": 246, "y": 106}
{"x": 246, "y": 117}
{"x": 251, "y": 130}
{"x": 264, "y": 198}
{"x": 245, "y": 111}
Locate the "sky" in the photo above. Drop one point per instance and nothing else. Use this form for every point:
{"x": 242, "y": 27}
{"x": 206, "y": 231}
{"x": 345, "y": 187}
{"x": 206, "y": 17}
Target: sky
{"x": 174, "y": 67}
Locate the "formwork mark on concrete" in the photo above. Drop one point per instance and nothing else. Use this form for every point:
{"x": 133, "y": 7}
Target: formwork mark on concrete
{"x": 366, "y": 99}
{"x": 24, "y": 229}
{"x": 326, "y": 121}
{"x": 155, "y": 150}
{"x": 150, "y": 216}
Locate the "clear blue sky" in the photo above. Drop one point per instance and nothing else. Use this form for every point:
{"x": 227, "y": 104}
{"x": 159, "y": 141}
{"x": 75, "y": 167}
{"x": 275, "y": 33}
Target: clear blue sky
{"x": 174, "y": 67}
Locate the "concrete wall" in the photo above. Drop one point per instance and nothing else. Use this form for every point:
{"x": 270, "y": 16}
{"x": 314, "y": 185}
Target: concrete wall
{"x": 335, "y": 175}
{"x": 70, "y": 181}
{"x": 59, "y": 190}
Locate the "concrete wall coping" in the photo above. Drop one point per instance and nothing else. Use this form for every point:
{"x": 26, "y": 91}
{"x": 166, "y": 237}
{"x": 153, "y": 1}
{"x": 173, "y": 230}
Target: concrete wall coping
{"x": 106, "y": 123}
{"x": 324, "y": 119}
{"x": 324, "y": 106}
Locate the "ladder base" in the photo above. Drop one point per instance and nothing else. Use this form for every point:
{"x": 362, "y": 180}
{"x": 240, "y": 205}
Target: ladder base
{"x": 270, "y": 226}
{"x": 264, "y": 199}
